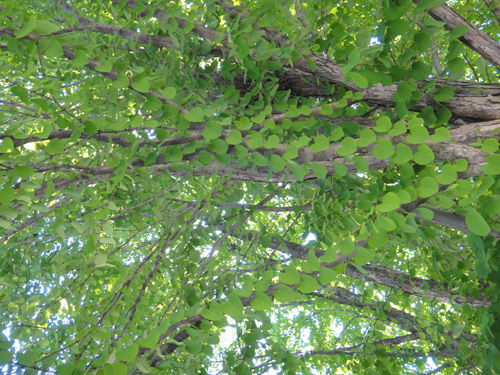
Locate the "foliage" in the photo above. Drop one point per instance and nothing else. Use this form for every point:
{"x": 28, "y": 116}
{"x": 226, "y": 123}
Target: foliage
{"x": 243, "y": 188}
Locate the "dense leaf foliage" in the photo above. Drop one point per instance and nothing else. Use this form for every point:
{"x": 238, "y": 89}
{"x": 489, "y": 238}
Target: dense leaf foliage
{"x": 295, "y": 187}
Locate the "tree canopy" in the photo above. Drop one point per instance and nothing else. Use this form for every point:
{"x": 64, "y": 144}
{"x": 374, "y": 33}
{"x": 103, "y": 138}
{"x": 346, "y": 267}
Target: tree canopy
{"x": 263, "y": 187}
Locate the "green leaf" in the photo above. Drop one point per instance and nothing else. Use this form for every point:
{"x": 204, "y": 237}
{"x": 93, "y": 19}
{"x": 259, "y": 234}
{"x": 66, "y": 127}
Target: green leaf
{"x": 66, "y": 369}
{"x": 277, "y": 163}
{"x": 220, "y": 148}
{"x": 429, "y": 4}
{"x": 353, "y": 60}
{"x": 419, "y": 134}
{"x": 194, "y": 115}
{"x": 54, "y": 50}
{"x": 426, "y": 213}
{"x": 213, "y": 312}
{"x": 336, "y": 134}
{"x": 194, "y": 347}
{"x": 319, "y": 170}
{"x": 312, "y": 262}
{"x": 443, "y": 94}
{"x": 291, "y": 153}
{"x": 273, "y": 65}
{"x": 361, "y": 164}
{"x": 117, "y": 368}
{"x": 384, "y": 150}
{"x": 21, "y": 93}
{"x": 285, "y": 294}
{"x": 261, "y": 302}
{"x": 379, "y": 239}
{"x": 359, "y": 80}
{"x": 441, "y": 135}
{"x": 305, "y": 110}
{"x": 321, "y": 143}
{"x": 89, "y": 128}
{"x": 403, "y": 92}
{"x": 443, "y": 116}
{"x": 447, "y": 176}
{"x": 446, "y": 202}
{"x": 427, "y": 187}
{"x": 246, "y": 290}
{"x": 390, "y": 202}
{"x": 6, "y": 145}
{"x": 422, "y": 41}
{"x": 26, "y": 28}
{"x": 457, "y": 32}
{"x": 424, "y": 155}
{"x": 106, "y": 67}
{"x": 493, "y": 166}
{"x": 348, "y": 147}
{"x": 366, "y": 138}
{"x": 212, "y": 130}
{"x": 55, "y": 146}
{"x": 81, "y": 60}
{"x": 420, "y": 71}
{"x": 492, "y": 205}
{"x": 129, "y": 354}
{"x": 363, "y": 256}
{"x": 142, "y": 85}
{"x": 327, "y": 275}
{"x": 299, "y": 172}
{"x": 168, "y": 92}
{"x": 5, "y": 224}
{"x": 385, "y": 224}
{"x": 27, "y": 358}
{"x": 326, "y": 110}
{"x": 490, "y": 145}
{"x": 5, "y": 357}
{"x": 234, "y": 310}
{"x": 292, "y": 111}
{"x": 346, "y": 246}
{"x": 302, "y": 141}
{"x": 254, "y": 140}
{"x": 403, "y": 154}
{"x": 461, "y": 165}
{"x": 404, "y": 196}
{"x": 291, "y": 276}
{"x": 476, "y": 222}
{"x": 308, "y": 284}
{"x": 46, "y": 27}
{"x": 339, "y": 169}
{"x": 235, "y": 301}
{"x": 383, "y": 124}
{"x": 398, "y": 128}
{"x": 24, "y": 171}
{"x": 8, "y": 212}
{"x": 398, "y": 27}
{"x": 272, "y": 142}
{"x": 234, "y": 138}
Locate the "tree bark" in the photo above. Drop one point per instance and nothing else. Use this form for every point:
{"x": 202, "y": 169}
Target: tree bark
{"x": 475, "y": 39}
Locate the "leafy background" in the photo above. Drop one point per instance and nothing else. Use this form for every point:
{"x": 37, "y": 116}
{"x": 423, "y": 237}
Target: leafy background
{"x": 263, "y": 187}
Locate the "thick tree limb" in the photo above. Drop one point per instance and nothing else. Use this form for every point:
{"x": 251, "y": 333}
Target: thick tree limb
{"x": 391, "y": 278}
{"x": 450, "y": 220}
{"x": 475, "y": 39}
{"x": 441, "y": 353}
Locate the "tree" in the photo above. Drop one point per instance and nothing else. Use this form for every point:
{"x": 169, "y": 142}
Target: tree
{"x": 255, "y": 188}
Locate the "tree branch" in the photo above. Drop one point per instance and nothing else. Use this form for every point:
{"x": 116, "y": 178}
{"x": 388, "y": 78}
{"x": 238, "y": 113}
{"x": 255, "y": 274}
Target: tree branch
{"x": 475, "y": 39}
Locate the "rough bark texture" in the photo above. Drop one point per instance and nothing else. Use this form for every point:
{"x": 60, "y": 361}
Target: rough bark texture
{"x": 477, "y": 40}
{"x": 388, "y": 277}
{"x": 450, "y": 220}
